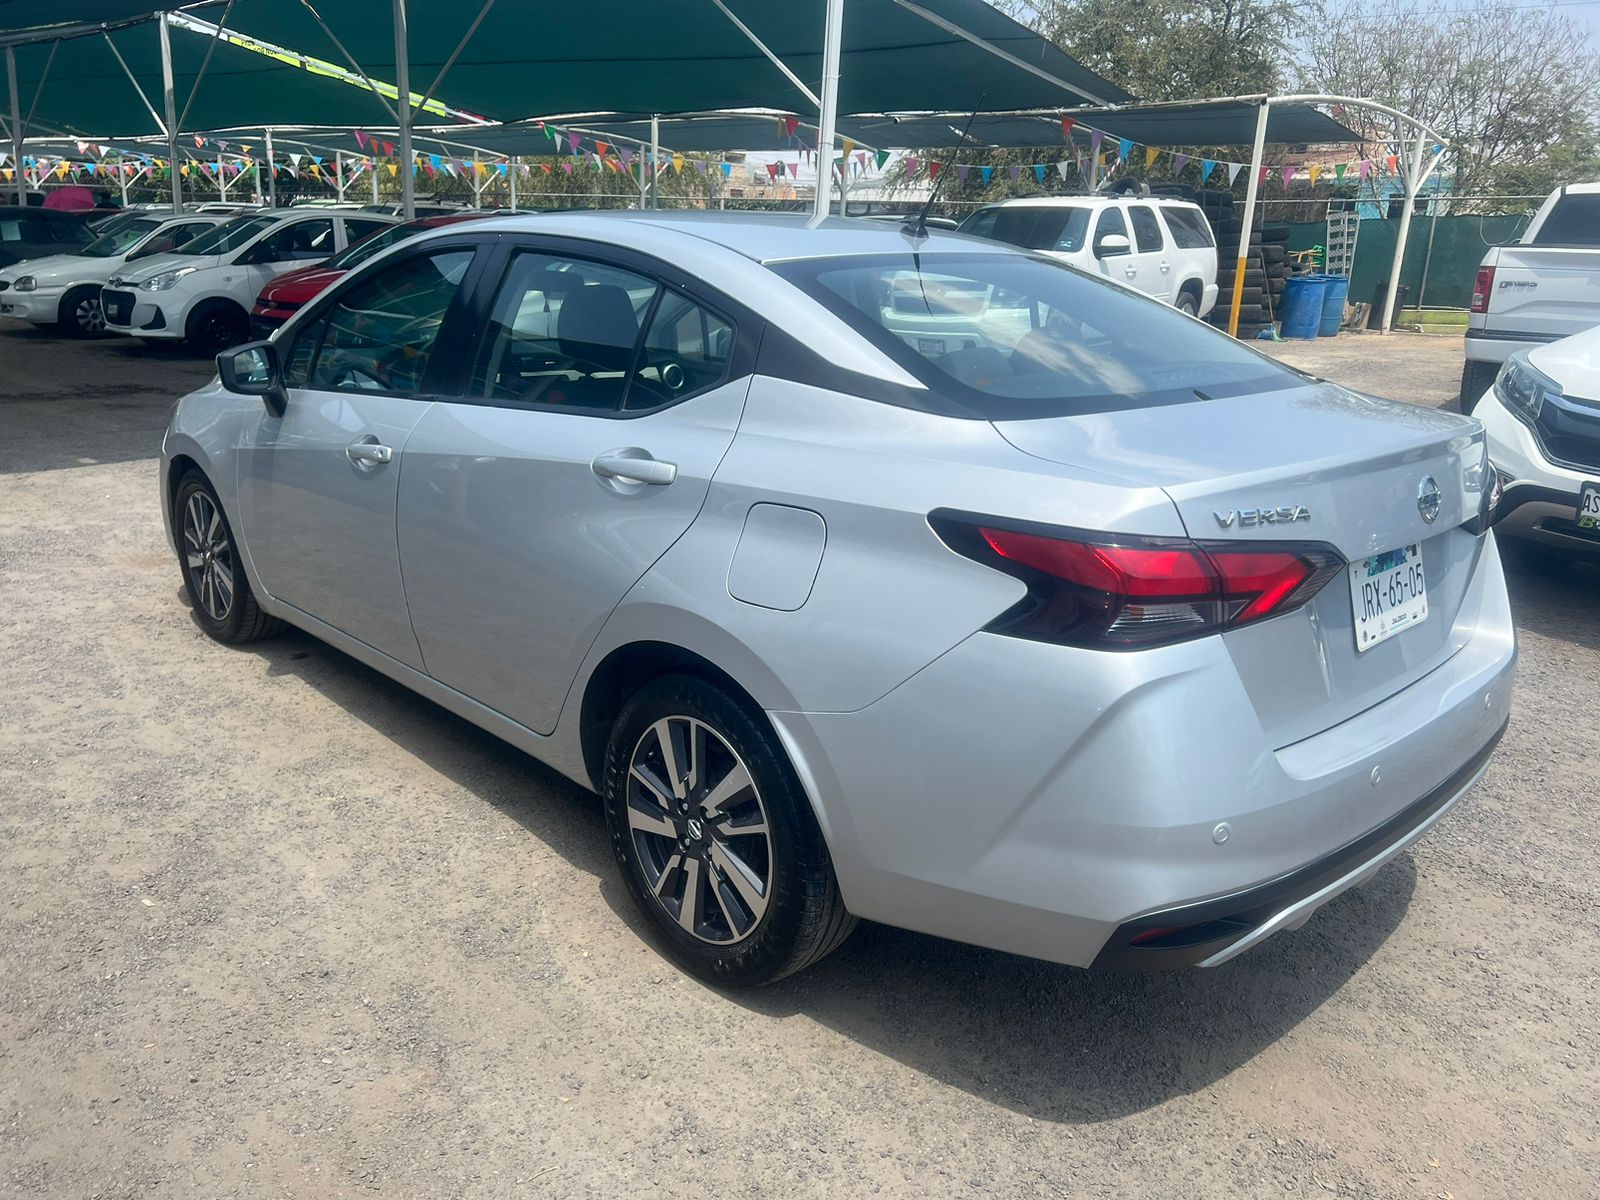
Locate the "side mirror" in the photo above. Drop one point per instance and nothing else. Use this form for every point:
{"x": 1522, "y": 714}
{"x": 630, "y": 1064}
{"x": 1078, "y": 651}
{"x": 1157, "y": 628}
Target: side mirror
{"x": 1108, "y": 245}
{"x": 252, "y": 370}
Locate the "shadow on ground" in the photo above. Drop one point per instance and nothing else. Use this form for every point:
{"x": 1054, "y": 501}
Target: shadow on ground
{"x": 1052, "y": 1042}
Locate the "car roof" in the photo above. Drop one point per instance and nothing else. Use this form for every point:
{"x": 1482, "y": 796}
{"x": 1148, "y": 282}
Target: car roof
{"x": 762, "y": 237}
{"x": 1075, "y": 201}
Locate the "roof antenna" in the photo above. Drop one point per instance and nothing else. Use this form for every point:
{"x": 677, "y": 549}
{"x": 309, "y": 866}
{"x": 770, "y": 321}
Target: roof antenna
{"x": 917, "y": 226}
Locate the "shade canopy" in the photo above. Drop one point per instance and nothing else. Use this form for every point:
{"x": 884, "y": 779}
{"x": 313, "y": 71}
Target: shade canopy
{"x": 86, "y": 90}
{"x": 671, "y": 56}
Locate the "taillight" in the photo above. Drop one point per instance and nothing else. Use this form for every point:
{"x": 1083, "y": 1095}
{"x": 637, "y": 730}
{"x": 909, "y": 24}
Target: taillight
{"x": 1481, "y": 288}
{"x": 1121, "y": 592}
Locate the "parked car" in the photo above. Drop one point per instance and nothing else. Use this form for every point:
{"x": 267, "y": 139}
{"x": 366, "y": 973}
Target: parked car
{"x": 64, "y": 289}
{"x": 1542, "y": 417}
{"x": 35, "y": 232}
{"x": 1542, "y": 288}
{"x": 1154, "y": 245}
{"x": 202, "y": 293}
{"x": 1086, "y": 633}
{"x": 284, "y": 295}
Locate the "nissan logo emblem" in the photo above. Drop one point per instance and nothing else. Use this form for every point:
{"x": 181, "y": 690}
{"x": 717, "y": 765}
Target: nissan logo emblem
{"x": 1428, "y": 499}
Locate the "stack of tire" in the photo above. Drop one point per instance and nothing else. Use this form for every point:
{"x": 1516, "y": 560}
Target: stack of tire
{"x": 1266, "y": 268}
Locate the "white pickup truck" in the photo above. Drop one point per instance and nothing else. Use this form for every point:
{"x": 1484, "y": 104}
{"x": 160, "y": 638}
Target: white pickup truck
{"x": 1537, "y": 290}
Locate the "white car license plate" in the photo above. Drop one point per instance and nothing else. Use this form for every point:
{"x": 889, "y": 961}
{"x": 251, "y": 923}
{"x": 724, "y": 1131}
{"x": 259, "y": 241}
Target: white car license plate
{"x": 1389, "y": 593}
{"x": 1589, "y": 506}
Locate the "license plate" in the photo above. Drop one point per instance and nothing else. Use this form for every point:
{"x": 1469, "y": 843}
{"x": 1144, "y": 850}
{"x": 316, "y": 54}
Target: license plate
{"x": 1389, "y": 593}
{"x": 1589, "y": 506}
{"x": 930, "y": 345}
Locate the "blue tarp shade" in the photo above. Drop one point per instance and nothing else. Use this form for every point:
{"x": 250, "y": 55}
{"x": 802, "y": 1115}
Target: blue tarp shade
{"x": 671, "y": 56}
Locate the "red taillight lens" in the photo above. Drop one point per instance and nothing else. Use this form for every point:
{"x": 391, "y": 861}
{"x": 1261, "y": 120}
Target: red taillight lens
{"x": 1481, "y": 288}
{"x": 1122, "y": 592}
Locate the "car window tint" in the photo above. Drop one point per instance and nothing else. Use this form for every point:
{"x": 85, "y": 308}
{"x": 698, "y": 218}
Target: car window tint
{"x": 24, "y": 229}
{"x": 562, "y": 331}
{"x": 371, "y": 247}
{"x": 1188, "y": 227}
{"x": 1111, "y": 222}
{"x": 355, "y": 228}
{"x": 686, "y": 350}
{"x": 1574, "y": 221}
{"x": 1147, "y": 234}
{"x": 981, "y": 223}
{"x": 378, "y": 335}
{"x": 230, "y": 235}
{"x": 307, "y": 240}
{"x": 1014, "y": 336}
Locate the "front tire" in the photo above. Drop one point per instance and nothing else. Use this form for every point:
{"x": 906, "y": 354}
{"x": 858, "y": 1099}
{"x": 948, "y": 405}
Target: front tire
{"x": 81, "y": 314}
{"x": 1475, "y": 380}
{"x": 215, "y": 326}
{"x": 213, "y": 576}
{"x": 716, "y": 839}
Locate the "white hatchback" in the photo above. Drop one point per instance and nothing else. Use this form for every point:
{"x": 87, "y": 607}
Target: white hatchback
{"x": 203, "y": 292}
{"x": 1163, "y": 248}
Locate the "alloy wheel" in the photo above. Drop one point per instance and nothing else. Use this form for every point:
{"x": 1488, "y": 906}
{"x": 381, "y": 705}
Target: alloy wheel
{"x": 208, "y": 556}
{"x": 700, "y": 830}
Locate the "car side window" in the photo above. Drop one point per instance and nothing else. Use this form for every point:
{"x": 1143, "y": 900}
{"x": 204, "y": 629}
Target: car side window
{"x": 981, "y": 223}
{"x": 1188, "y": 228}
{"x": 1110, "y": 222}
{"x": 308, "y": 240}
{"x": 355, "y": 228}
{"x": 1146, "y": 232}
{"x": 378, "y": 335}
{"x": 686, "y": 350}
{"x": 562, "y": 331}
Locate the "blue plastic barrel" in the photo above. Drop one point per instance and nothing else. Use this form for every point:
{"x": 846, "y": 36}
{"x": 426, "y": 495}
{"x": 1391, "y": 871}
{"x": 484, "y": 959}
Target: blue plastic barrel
{"x": 1333, "y": 304}
{"x": 1301, "y": 314}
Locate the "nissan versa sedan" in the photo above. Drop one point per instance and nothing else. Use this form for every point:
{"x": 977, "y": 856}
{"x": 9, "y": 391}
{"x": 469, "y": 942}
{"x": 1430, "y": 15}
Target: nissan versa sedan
{"x": 870, "y": 573}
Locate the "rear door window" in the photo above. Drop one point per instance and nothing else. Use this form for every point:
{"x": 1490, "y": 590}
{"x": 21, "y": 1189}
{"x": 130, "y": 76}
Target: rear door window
{"x": 1146, "y": 231}
{"x": 562, "y": 331}
{"x": 1574, "y": 221}
{"x": 356, "y": 228}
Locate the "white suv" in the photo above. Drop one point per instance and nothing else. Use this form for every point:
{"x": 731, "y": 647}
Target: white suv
{"x": 64, "y": 289}
{"x": 1154, "y": 245}
{"x": 203, "y": 293}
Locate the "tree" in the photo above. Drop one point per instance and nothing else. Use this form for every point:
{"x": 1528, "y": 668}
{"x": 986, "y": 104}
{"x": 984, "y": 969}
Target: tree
{"x": 1514, "y": 89}
{"x": 1172, "y": 49}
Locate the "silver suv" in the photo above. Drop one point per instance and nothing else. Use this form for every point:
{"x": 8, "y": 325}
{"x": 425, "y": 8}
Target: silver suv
{"x": 870, "y": 575}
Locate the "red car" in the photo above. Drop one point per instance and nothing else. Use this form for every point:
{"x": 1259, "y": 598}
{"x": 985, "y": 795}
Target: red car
{"x": 280, "y": 298}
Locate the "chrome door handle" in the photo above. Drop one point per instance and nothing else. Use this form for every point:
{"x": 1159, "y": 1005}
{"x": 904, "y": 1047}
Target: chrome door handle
{"x": 1130, "y": 272}
{"x": 634, "y": 466}
{"x": 1165, "y": 267}
{"x": 367, "y": 452}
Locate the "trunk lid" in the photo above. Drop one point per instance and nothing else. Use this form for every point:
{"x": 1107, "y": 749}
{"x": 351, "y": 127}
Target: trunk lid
{"x": 1310, "y": 464}
{"x": 1551, "y": 291}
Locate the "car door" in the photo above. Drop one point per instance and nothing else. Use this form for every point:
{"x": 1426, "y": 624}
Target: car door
{"x": 598, "y": 402}
{"x": 1150, "y": 257}
{"x": 1120, "y": 265}
{"x": 294, "y": 244}
{"x": 317, "y": 485}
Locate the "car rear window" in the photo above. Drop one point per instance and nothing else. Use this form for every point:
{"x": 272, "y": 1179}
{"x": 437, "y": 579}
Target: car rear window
{"x": 1574, "y": 221}
{"x": 1188, "y": 226}
{"x": 1019, "y": 336}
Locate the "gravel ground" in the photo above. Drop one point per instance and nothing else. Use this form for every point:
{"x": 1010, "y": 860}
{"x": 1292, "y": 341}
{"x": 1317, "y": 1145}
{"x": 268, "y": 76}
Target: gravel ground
{"x": 273, "y": 926}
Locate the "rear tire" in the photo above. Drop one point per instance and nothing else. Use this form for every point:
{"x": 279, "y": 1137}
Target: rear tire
{"x": 213, "y": 575}
{"x": 1187, "y": 303}
{"x": 1476, "y": 377}
{"x": 81, "y": 314}
{"x": 687, "y": 768}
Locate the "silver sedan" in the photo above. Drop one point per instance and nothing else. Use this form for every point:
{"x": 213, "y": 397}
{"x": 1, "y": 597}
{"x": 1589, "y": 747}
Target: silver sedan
{"x": 868, "y": 572}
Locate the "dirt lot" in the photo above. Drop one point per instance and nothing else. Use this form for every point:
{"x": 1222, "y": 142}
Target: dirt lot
{"x": 272, "y": 926}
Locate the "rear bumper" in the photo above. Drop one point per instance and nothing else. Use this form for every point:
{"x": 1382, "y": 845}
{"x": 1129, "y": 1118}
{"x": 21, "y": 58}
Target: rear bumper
{"x": 1208, "y": 299}
{"x": 1048, "y": 801}
{"x": 1497, "y": 347}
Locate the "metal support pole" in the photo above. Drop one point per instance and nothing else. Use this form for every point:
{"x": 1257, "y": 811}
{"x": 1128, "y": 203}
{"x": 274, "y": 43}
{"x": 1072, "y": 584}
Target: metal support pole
{"x": 830, "y": 110}
{"x": 373, "y": 163}
{"x": 477, "y": 182}
{"x": 271, "y": 196}
{"x": 511, "y": 181}
{"x": 1414, "y": 168}
{"x": 655, "y": 159}
{"x": 169, "y": 99}
{"x": 222, "y": 180}
{"x": 1252, "y": 185}
{"x": 402, "y": 80}
{"x": 338, "y": 173}
{"x": 122, "y": 182}
{"x": 16, "y": 126}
